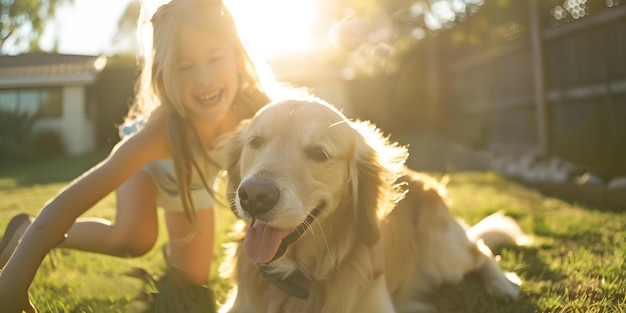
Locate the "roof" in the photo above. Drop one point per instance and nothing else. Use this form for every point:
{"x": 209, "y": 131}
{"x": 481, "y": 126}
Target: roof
{"x": 32, "y": 67}
{"x": 49, "y": 63}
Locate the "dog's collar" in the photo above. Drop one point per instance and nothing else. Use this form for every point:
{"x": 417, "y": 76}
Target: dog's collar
{"x": 288, "y": 285}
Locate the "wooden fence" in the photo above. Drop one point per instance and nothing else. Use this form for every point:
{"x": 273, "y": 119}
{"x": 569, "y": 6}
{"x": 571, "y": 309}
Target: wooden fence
{"x": 546, "y": 75}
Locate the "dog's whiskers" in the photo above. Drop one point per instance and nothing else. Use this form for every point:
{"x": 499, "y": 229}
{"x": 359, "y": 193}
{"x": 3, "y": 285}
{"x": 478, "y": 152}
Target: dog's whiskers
{"x": 324, "y": 237}
{"x": 309, "y": 227}
{"x": 339, "y": 123}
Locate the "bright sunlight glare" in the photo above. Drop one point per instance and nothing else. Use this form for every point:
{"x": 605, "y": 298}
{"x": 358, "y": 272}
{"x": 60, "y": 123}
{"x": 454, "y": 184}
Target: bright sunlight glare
{"x": 268, "y": 27}
{"x": 271, "y": 27}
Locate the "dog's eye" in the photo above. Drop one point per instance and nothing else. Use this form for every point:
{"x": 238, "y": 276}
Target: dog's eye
{"x": 317, "y": 154}
{"x": 255, "y": 142}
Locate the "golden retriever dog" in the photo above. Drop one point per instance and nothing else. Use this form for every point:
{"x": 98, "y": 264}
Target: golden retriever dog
{"x": 335, "y": 222}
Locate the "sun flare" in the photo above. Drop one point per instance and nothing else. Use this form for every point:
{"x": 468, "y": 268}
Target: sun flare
{"x": 269, "y": 27}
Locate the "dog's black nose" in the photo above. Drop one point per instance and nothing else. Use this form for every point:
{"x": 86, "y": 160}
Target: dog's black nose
{"x": 257, "y": 196}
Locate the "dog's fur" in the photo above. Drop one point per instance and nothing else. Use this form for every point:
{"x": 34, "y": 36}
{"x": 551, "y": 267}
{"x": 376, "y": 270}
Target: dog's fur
{"x": 384, "y": 234}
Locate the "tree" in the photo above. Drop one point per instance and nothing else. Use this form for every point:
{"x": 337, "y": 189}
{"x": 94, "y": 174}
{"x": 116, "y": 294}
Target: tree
{"x": 125, "y": 40}
{"x": 23, "y": 21}
{"x": 377, "y": 35}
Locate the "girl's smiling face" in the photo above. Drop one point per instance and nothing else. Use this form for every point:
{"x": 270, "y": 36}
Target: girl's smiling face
{"x": 206, "y": 72}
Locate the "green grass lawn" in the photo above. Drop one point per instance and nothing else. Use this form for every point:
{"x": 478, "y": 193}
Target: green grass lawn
{"x": 577, "y": 263}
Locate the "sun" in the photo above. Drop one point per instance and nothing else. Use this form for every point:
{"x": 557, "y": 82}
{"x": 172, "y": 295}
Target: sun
{"x": 270, "y": 27}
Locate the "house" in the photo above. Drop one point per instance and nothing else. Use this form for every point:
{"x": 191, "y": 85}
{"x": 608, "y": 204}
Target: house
{"x": 56, "y": 89}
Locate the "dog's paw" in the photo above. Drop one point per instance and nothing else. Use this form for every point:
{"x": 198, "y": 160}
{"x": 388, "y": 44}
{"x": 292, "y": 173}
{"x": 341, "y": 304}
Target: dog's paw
{"x": 505, "y": 287}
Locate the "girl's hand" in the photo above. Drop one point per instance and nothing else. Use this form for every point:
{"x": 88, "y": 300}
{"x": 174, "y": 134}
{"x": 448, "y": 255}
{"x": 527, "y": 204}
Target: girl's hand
{"x": 12, "y": 303}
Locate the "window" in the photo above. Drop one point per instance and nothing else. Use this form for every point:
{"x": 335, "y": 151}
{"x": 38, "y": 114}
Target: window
{"x": 42, "y": 102}
{"x": 28, "y": 101}
{"x": 51, "y": 102}
{"x": 8, "y": 100}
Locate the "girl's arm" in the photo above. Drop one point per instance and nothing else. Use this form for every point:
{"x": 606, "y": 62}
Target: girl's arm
{"x": 58, "y": 215}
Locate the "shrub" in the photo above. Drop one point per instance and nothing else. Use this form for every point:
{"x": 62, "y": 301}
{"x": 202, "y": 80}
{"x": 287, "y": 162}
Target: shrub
{"x": 15, "y": 131}
{"x": 48, "y": 143}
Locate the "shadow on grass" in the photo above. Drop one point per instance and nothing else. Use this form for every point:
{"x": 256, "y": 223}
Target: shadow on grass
{"x": 54, "y": 170}
{"x": 535, "y": 267}
{"x": 470, "y": 297}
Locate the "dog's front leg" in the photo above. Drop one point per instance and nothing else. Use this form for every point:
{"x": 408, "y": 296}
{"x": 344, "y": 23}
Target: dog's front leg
{"x": 376, "y": 298}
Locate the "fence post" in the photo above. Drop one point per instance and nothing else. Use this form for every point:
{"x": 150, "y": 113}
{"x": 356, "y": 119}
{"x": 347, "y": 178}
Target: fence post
{"x": 432, "y": 91}
{"x": 541, "y": 109}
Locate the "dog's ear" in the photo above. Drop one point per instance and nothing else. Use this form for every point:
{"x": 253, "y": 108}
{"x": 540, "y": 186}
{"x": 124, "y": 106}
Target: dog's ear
{"x": 373, "y": 172}
{"x": 235, "y": 143}
{"x": 366, "y": 181}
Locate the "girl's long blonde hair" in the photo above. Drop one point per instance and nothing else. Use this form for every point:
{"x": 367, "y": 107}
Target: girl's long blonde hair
{"x": 156, "y": 88}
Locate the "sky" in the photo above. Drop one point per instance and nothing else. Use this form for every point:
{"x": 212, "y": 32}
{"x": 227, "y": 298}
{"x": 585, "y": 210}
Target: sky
{"x": 88, "y": 26}
{"x": 85, "y": 27}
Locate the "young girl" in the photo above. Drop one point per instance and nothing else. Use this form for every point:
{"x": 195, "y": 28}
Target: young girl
{"x": 197, "y": 84}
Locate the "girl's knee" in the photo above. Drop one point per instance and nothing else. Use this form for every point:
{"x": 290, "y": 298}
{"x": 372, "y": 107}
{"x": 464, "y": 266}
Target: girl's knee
{"x": 136, "y": 244}
{"x": 137, "y": 249}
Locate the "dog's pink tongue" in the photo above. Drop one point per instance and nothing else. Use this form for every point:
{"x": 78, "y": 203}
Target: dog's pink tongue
{"x": 262, "y": 242}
